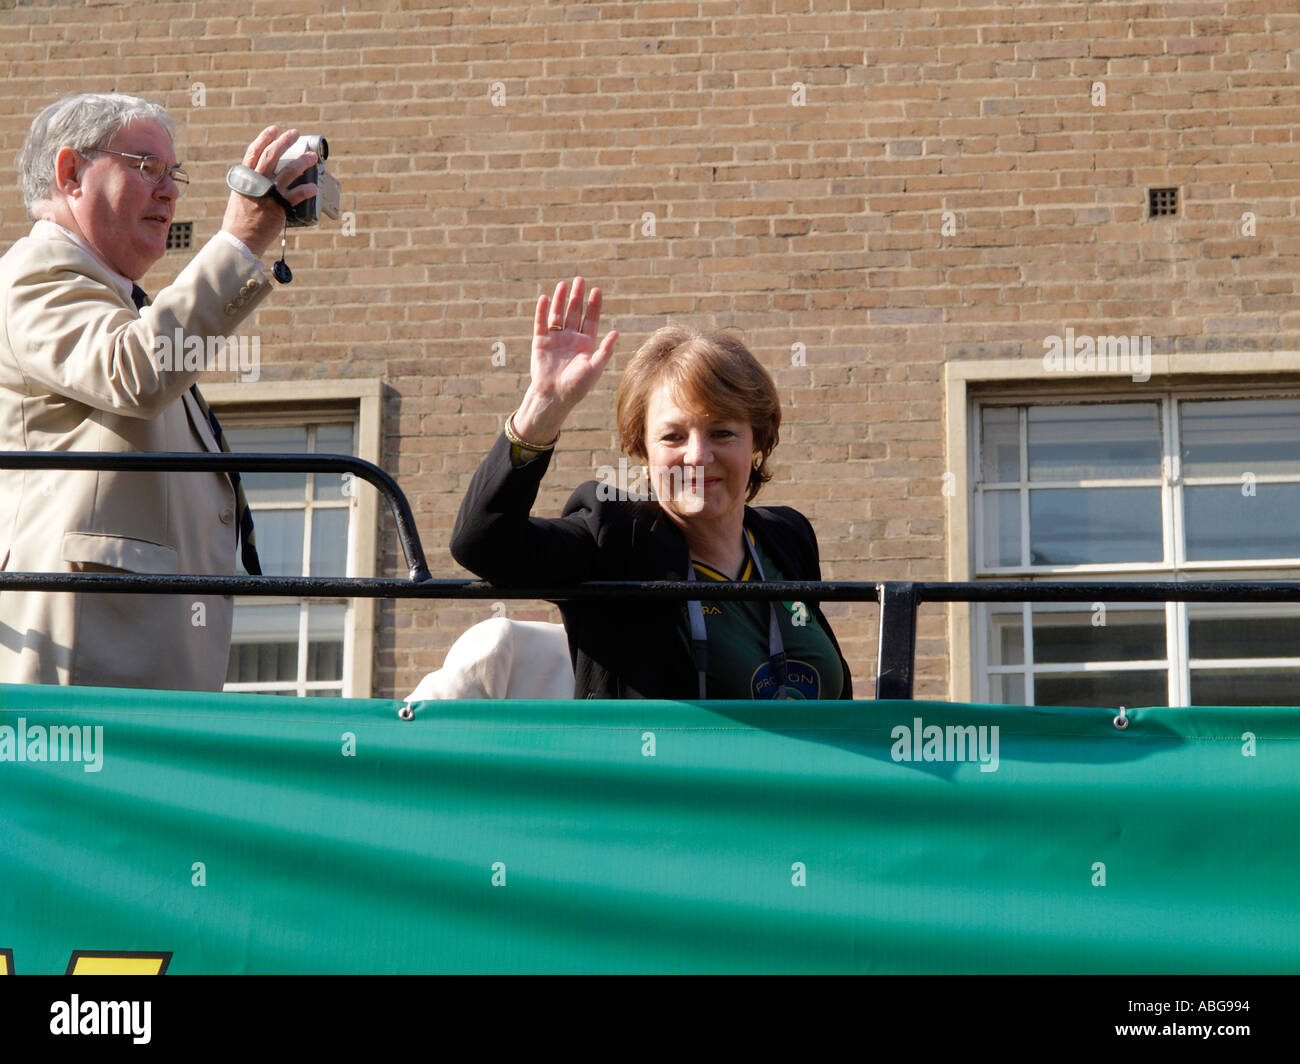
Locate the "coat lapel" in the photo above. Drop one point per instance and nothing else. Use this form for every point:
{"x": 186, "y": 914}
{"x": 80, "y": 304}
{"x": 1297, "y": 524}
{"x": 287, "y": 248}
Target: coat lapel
{"x": 199, "y": 421}
{"x": 669, "y": 545}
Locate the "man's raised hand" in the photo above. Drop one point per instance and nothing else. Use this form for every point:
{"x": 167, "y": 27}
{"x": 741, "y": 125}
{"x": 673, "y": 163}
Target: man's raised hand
{"x": 257, "y": 222}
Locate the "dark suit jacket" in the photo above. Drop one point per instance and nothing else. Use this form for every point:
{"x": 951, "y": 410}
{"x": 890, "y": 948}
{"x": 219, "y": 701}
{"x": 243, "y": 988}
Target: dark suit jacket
{"x": 619, "y": 650}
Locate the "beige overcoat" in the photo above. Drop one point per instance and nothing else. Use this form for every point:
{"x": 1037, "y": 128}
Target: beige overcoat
{"x": 80, "y": 371}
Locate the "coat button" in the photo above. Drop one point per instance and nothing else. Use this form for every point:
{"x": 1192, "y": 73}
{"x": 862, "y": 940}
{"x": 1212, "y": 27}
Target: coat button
{"x": 227, "y": 516}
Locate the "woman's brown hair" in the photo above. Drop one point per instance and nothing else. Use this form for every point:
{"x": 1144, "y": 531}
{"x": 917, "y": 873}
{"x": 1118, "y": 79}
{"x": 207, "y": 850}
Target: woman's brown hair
{"x": 710, "y": 372}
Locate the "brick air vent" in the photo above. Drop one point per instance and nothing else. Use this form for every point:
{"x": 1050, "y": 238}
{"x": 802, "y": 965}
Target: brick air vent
{"x": 180, "y": 236}
{"x": 1162, "y": 202}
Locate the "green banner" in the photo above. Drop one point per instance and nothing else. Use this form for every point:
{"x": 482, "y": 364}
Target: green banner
{"x": 185, "y": 833}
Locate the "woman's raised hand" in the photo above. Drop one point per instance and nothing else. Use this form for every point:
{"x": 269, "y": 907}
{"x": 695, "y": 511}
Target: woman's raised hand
{"x": 566, "y": 361}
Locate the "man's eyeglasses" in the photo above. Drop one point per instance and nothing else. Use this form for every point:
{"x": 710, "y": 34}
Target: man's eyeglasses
{"x": 151, "y": 167}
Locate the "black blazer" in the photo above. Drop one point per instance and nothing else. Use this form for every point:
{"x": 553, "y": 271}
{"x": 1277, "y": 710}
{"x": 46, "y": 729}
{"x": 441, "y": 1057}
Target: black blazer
{"x": 619, "y": 650}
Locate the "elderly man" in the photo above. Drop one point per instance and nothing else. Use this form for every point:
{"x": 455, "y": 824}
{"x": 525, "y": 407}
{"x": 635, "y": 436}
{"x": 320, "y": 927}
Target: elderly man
{"x": 80, "y": 371}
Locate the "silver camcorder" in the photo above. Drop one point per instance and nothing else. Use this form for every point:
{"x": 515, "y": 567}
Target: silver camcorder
{"x": 326, "y": 200}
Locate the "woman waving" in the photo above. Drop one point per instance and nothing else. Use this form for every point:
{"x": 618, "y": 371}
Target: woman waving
{"x": 702, "y": 414}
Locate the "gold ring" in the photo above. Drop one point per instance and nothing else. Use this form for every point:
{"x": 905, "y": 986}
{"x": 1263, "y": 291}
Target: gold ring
{"x": 557, "y": 328}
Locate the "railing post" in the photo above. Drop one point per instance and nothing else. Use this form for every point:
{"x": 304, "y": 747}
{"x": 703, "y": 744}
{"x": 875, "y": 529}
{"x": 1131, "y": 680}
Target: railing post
{"x": 897, "y": 657}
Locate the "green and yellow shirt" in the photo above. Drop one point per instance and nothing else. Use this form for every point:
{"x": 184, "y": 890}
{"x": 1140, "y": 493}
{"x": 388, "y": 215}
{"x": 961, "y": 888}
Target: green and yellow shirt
{"x": 739, "y": 665}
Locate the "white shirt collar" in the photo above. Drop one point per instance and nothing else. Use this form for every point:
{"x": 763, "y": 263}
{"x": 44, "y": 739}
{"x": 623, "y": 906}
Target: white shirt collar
{"x": 120, "y": 281}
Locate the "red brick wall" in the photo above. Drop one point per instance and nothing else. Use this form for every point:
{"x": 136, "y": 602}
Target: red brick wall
{"x": 808, "y": 216}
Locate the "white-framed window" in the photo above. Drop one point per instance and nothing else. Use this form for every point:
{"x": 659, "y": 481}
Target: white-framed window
{"x": 320, "y": 524}
{"x": 1198, "y": 483}
{"x": 303, "y": 528}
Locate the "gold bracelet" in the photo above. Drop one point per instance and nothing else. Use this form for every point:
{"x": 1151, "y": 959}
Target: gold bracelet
{"x": 527, "y": 450}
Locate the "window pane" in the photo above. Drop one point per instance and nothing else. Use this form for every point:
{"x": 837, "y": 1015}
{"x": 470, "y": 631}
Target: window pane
{"x": 271, "y": 487}
{"x": 279, "y": 536}
{"x": 1007, "y": 639}
{"x": 1094, "y": 525}
{"x": 264, "y": 644}
{"x": 332, "y": 439}
{"x": 265, "y": 621}
{"x": 325, "y": 628}
{"x": 1000, "y": 444}
{"x": 325, "y": 661}
{"x": 1242, "y": 637}
{"x": 1230, "y": 437}
{"x": 1131, "y": 635}
{"x": 1108, "y": 690}
{"x": 262, "y": 662}
{"x": 1007, "y": 689}
{"x": 1246, "y": 687}
{"x": 1224, "y": 523}
{"x": 1001, "y": 527}
{"x": 329, "y": 542}
{"x": 1094, "y": 442}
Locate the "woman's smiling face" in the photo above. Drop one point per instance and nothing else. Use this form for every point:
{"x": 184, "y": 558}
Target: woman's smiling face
{"x": 699, "y": 464}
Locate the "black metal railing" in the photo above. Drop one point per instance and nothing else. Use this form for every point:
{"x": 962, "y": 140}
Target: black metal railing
{"x": 899, "y": 600}
{"x": 239, "y": 462}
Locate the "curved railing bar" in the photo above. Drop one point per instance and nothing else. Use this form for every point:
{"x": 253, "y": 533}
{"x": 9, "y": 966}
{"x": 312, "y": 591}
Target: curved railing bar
{"x": 241, "y": 462}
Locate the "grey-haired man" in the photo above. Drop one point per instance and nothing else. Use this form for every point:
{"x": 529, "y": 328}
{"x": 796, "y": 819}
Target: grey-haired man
{"x": 79, "y": 371}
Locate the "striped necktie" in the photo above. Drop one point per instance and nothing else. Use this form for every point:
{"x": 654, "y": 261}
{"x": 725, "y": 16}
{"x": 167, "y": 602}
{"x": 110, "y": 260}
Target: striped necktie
{"x": 247, "y": 541}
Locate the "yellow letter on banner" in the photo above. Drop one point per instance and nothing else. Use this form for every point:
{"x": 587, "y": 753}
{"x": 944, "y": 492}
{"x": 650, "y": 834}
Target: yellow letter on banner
{"x": 111, "y": 962}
